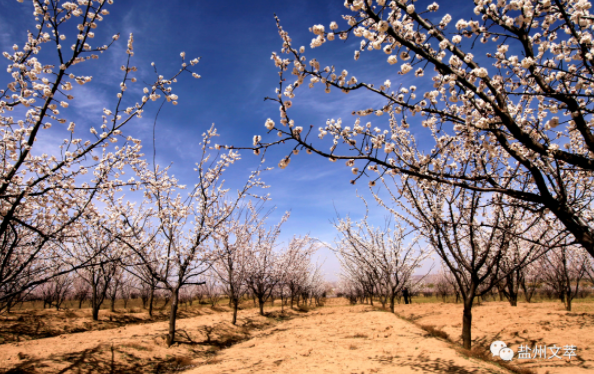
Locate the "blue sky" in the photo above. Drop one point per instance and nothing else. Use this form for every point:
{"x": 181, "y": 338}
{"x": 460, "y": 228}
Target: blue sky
{"x": 234, "y": 40}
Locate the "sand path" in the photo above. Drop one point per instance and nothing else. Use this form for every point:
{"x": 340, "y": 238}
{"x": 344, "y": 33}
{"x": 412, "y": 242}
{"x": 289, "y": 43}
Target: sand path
{"x": 344, "y": 340}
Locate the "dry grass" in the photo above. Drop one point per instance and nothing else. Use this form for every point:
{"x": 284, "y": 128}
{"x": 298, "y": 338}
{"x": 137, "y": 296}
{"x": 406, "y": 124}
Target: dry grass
{"x": 70, "y": 314}
{"x": 303, "y": 308}
{"x": 435, "y": 332}
{"x": 137, "y": 346}
{"x": 213, "y": 361}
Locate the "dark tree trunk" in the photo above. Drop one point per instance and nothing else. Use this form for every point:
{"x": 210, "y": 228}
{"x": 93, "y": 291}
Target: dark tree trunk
{"x": 513, "y": 299}
{"x": 151, "y": 300}
{"x": 467, "y": 323}
{"x": 95, "y": 304}
{"x": 528, "y": 293}
{"x": 172, "y": 317}
{"x": 235, "y": 308}
{"x": 568, "y": 300}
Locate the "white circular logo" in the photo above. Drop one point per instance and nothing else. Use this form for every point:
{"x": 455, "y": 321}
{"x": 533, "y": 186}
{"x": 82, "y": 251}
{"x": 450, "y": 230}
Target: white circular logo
{"x": 506, "y": 354}
{"x": 496, "y": 347}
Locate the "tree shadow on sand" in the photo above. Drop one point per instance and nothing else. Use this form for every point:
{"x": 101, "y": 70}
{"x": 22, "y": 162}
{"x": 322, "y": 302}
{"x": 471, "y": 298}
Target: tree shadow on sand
{"x": 101, "y": 359}
{"x": 217, "y": 337}
{"x": 425, "y": 364}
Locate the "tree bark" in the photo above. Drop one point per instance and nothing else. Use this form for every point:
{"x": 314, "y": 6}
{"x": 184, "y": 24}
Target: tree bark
{"x": 151, "y": 299}
{"x": 513, "y": 299}
{"x": 95, "y": 305}
{"x": 172, "y": 317}
{"x": 467, "y": 323}
{"x": 235, "y": 307}
{"x": 568, "y": 299}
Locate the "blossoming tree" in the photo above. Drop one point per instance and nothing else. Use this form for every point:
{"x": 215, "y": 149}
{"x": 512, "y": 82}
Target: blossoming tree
{"x": 170, "y": 235}
{"x": 474, "y": 235}
{"x": 507, "y": 93}
{"x": 299, "y": 274}
{"x": 230, "y": 258}
{"x": 43, "y": 193}
{"x": 265, "y": 268}
{"x": 380, "y": 252}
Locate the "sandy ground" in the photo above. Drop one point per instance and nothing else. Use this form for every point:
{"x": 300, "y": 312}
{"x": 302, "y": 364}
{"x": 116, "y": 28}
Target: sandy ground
{"x": 540, "y": 324}
{"x": 345, "y": 339}
{"x": 25, "y": 325}
{"x": 132, "y": 348}
{"x": 337, "y": 338}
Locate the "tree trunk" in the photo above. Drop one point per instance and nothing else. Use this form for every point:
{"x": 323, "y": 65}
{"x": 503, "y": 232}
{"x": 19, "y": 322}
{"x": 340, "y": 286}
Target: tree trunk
{"x": 392, "y": 303}
{"x": 172, "y": 317}
{"x": 235, "y": 307}
{"x": 568, "y": 301}
{"x": 513, "y": 299}
{"x": 95, "y": 305}
{"x": 467, "y": 323}
{"x": 261, "y": 304}
{"x": 95, "y": 312}
{"x": 151, "y": 299}
{"x": 525, "y": 289}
